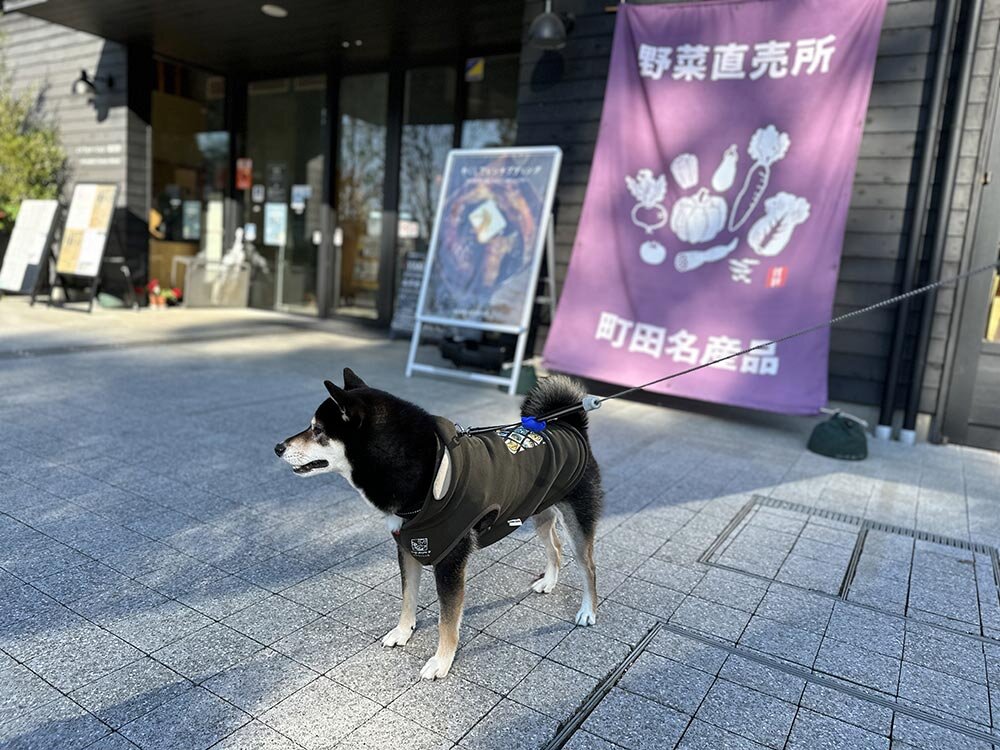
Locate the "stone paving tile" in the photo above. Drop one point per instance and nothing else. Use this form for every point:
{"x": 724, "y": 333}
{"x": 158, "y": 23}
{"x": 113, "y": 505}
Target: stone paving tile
{"x": 731, "y": 589}
{"x": 588, "y": 651}
{"x": 945, "y": 693}
{"x": 839, "y": 705}
{"x": 858, "y": 665}
{"x": 131, "y": 692}
{"x": 467, "y": 704}
{"x": 623, "y": 623}
{"x": 945, "y": 652}
{"x": 510, "y": 726}
{"x": 388, "y": 729}
{"x": 634, "y": 722}
{"x": 553, "y": 689}
{"x": 530, "y": 629}
{"x": 322, "y": 644}
{"x": 325, "y": 592}
{"x": 702, "y": 736}
{"x": 151, "y": 628}
{"x": 207, "y": 652}
{"x": 194, "y": 719}
{"x": 79, "y": 656}
{"x": 756, "y": 676}
{"x": 221, "y": 597}
{"x": 781, "y": 640}
{"x": 256, "y": 736}
{"x": 659, "y": 601}
{"x": 908, "y": 732}
{"x": 583, "y": 740}
{"x": 493, "y": 664}
{"x": 871, "y": 630}
{"x": 21, "y": 690}
{"x": 270, "y": 620}
{"x": 260, "y": 682}
{"x": 320, "y": 714}
{"x": 668, "y": 682}
{"x": 58, "y": 724}
{"x": 112, "y": 742}
{"x": 687, "y": 651}
{"x": 379, "y": 673}
{"x": 812, "y": 731}
{"x": 728, "y": 706}
{"x": 711, "y": 618}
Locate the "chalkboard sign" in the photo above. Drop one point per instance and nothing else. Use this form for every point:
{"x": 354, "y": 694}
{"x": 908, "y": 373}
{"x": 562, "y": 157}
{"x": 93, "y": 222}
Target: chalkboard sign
{"x": 405, "y": 310}
{"x": 28, "y": 245}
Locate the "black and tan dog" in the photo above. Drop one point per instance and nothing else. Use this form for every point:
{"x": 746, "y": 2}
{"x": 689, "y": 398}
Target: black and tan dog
{"x": 445, "y": 493}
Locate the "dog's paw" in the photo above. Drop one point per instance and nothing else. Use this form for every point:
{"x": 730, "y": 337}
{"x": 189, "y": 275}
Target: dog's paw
{"x": 397, "y": 637}
{"x": 435, "y": 669}
{"x": 586, "y": 617}
{"x": 545, "y": 584}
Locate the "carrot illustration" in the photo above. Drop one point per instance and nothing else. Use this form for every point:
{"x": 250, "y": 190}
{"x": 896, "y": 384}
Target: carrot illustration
{"x": 767, "y": 145}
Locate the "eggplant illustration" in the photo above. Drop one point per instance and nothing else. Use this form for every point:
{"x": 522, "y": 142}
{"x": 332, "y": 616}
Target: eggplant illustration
{"x": 725, "y": 173}
{"x": 771, "y": 233}
{"x": 692, "y": 259}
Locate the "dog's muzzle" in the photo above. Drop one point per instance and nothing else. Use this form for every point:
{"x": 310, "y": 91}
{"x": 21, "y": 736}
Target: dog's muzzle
{"x": 279, "y": 449}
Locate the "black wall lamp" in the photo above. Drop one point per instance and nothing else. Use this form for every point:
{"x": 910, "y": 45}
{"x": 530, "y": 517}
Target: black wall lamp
{"x": 87, "y": 85}
{"x": 549, "y": 30}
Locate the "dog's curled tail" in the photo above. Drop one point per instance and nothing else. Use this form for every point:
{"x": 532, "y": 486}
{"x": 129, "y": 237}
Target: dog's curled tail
{"x": 552, "y": 394}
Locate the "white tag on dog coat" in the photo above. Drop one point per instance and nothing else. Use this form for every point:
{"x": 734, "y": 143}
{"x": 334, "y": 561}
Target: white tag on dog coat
{"x": 514, "y": 522}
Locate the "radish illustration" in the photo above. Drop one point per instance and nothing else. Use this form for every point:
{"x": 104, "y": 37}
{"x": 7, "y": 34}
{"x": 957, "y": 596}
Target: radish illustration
{"x": 692, "y": 259}
{"x": 767, "y": 145}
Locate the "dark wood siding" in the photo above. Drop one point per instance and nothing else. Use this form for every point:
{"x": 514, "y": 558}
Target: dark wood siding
{"x": 560, "y": 102}
{"x": 103, "y": 142}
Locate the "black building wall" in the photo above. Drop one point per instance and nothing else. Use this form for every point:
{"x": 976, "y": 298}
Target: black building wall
{"x": 560, "y": 102}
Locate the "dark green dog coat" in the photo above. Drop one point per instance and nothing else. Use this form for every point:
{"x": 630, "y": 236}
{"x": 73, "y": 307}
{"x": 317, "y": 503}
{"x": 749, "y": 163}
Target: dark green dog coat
{"x": 497, "y": 480}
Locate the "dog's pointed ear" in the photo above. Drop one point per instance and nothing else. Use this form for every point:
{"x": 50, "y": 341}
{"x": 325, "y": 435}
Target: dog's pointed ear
{"x": 352, "y": 381}
{"x": 351, "y": 407}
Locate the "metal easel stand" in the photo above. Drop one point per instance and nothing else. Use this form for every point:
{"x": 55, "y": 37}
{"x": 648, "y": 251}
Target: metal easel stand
{"x": 521, "y": 331}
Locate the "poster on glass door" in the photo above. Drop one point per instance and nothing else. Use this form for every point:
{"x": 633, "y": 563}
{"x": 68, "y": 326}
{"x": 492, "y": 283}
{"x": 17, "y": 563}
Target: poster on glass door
{"x": 489, "y": 235}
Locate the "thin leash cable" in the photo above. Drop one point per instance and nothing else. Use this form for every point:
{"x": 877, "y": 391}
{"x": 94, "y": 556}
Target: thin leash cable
{"x": 819, "y": 326}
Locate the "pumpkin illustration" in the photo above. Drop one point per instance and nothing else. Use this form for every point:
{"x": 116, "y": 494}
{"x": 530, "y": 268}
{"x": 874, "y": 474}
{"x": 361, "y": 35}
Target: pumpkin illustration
{"x": 699, "y": 217}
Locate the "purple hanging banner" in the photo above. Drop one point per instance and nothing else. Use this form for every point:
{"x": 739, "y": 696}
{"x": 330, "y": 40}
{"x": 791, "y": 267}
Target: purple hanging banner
{"x": 715, "y": 211}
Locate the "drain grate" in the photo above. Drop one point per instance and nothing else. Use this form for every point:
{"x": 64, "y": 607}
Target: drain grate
{"x": 939, "y": 580}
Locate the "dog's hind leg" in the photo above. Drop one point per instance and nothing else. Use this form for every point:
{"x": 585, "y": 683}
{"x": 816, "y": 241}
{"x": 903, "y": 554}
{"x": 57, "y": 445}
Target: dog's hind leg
{"x": 545, "y": 527}
{"x": 581, "y": 533}
{"x": 449, "y": 575}
{"x": 409, "y": 572}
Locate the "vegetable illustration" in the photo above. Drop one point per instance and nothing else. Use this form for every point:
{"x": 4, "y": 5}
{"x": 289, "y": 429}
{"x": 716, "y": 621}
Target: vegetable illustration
{"x": 685, "y": 170}
{"x": 782, "y": 213}
{"x": 699, "y": 217}
{"x": 652, "y": 252}
{"x": 725, "y": 173}
{"x": 767, "y": 146}
{"x": 649, "y": 191}
{"x": 692, "y": 259}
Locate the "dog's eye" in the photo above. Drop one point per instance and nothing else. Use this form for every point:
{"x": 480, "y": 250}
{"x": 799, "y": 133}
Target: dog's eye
{"x": 317, "y": 430}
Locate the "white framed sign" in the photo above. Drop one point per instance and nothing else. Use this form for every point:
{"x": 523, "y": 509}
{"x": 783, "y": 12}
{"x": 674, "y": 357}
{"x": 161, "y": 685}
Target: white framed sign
{"x": 492, "y": 225}
{"x": 85, "y": 235}
{"x": 28, "y": 244}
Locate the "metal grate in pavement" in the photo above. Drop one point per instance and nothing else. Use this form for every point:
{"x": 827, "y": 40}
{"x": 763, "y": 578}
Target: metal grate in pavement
{"x": 766, "y": 546}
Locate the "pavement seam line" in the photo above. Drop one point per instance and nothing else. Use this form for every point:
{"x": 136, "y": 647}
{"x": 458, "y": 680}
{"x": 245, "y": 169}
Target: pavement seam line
{"x": 600, "y": 692}
{"x": 833, "y": 684}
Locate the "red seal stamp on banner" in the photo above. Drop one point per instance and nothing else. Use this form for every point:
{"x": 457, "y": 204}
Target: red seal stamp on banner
{"x": 777, "y": 277}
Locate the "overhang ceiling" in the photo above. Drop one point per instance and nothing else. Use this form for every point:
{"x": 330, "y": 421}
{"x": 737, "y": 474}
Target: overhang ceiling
{"x": 234, "y": 36}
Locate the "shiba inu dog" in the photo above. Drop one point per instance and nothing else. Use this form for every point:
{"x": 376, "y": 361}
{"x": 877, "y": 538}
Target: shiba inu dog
{"x": 446, "y": 493}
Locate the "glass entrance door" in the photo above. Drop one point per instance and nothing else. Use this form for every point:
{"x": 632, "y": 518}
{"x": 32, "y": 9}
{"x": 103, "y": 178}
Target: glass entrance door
{"x": 283, "y": 207}
{"x": 360, "y": 184}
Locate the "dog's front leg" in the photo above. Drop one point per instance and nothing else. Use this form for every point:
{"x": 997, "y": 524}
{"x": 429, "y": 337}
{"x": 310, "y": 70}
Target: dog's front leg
{"x": 409, "y": 572}
{"x": 449, "y": 575}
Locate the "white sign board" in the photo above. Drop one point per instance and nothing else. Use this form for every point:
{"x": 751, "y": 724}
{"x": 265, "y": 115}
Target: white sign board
{"x": 86, "y": 233}
{"x": 492, "y": 226}
{"x": 28, "y": 243}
